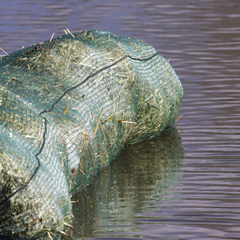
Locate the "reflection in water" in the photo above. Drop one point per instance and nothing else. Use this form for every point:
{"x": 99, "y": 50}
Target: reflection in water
{"x": 131, "y": 187}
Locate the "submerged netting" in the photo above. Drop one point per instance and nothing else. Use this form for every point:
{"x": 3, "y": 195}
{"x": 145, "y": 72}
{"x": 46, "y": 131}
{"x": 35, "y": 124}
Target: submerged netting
{"x": 67, "y": 108}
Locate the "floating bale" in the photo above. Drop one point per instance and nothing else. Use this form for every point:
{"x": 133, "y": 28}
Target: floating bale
{"x": 68, "y": 106}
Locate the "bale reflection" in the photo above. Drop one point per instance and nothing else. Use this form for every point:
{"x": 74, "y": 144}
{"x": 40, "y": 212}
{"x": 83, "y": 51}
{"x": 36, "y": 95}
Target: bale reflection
{"x": 129, "y": 187}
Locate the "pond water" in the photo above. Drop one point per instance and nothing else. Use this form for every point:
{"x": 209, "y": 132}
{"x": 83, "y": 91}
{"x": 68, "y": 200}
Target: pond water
{"x": 184, "y": 184}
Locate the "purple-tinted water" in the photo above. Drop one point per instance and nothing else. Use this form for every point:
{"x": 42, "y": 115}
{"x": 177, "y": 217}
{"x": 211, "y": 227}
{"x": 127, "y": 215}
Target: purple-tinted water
{"x": 186, "y": 183}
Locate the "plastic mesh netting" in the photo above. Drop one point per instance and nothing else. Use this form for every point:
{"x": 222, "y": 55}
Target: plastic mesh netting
{"x": 67, "y": 108}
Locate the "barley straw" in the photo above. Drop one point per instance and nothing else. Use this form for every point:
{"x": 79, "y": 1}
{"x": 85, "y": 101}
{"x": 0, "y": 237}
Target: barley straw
{"x": 62, "y": 202}
{"x": 121, "y": 121}
{"x": 68, "y": 225}
{"x": 96, "y": 128}
{"x": 52, "y": 37}
{"x": 84, "y": 33}
{"x": 69, "y": 216}
{"x": 49, "y": 235}
{"x": 63, "y": 233}
{"x": 4, "y": 51}
{"x": 81, "y": 171}
{"x": 65, "y": 110}
{"x": 91, "y": 36}
{"x": 108, "y": 118}
{"x": 80, "y": 164}
{"x": 70, "y": 33}
{"x": 178, "y": 118}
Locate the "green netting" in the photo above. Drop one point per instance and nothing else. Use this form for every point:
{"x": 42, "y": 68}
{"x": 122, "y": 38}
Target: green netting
{"x": 67, "y": 108}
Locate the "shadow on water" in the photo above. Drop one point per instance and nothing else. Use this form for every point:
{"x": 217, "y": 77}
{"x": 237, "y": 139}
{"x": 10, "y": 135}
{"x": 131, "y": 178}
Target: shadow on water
{"x": 130, "y": 188}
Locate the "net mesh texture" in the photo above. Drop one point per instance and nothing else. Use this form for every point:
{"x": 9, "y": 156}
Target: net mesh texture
{"x": 67, "y": 109}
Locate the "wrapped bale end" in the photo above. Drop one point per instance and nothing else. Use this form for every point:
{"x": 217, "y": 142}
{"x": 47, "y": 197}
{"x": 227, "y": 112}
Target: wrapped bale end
{"x": 67, "y": 109}
{"x": 27, "y": 207}
{"x": 28, "y": 214}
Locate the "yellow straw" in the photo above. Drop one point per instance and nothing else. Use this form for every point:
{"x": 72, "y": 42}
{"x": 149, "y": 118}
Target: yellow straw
{"x": 4, "y": 51}
{"x": 52, "y": 37}
{"x": 49, "y": 235}
{"x": 95, "y": 130}
{"x": 178, "y": 118}
{"x": 65, "y": 110}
